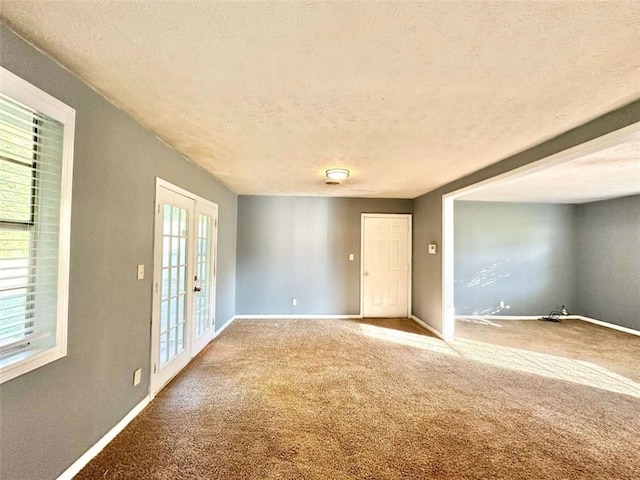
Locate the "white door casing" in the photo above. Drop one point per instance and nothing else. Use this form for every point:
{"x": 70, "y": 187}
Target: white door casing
{"x": 386, "y": 265}
{"x": 185, "y": 251}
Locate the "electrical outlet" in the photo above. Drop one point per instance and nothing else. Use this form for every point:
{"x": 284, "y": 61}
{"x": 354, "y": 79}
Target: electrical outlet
{"x": 294, "y": 302}
{"x": 137, "y": 376}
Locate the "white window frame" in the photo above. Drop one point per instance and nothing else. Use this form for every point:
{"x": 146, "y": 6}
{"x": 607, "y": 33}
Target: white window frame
{"x": 22, "y": 91}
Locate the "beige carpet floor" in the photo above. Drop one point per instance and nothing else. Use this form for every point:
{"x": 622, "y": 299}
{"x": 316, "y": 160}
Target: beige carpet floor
{"x": 574, "y": 339}
{"x": 316, "y": 399}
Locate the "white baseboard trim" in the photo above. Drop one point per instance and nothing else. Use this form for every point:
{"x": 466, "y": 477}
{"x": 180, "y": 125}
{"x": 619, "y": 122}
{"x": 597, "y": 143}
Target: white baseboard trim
{"x": 501, "y": 317}
{"x": 431, "y": 329}
{"x": 607, "y": 324}
{"x": 223, "y": 327}
{"x": 277, "y": 317}
{"x": 79, "y": 464}
{"x": 562, "y": 317}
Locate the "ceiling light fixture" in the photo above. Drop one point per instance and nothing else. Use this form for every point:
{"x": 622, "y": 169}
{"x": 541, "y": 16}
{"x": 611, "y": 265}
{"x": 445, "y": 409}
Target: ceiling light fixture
{"x": 338, "y": 174}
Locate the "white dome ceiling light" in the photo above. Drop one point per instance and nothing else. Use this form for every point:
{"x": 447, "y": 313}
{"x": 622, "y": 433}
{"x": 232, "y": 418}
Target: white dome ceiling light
{"x": 336, "y": 175}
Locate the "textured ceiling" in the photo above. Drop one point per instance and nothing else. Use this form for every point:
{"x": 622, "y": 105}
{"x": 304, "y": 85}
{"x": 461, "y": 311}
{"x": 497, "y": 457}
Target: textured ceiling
{"x": 408, "y": 96}
{"x": 609, "y": 173}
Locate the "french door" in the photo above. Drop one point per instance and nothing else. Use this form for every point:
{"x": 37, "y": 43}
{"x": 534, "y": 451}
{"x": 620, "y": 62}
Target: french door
{"x": 184, "y": 281}
{"x": 386, "y": 265}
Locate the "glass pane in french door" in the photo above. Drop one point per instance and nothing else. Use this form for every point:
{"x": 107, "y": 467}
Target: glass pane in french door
{"x": 204, "y": 266}
{"x": 174, "y": 282}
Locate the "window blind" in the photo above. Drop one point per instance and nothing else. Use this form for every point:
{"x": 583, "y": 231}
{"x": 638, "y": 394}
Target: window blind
{"x": 31, "y": 146}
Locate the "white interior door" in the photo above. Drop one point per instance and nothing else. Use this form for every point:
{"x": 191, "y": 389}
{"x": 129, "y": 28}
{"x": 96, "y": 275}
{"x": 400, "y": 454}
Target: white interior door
{"x": 184, "y": 282}
{"x": 386, "y": 273}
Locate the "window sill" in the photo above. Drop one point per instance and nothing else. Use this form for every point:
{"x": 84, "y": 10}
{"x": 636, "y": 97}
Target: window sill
{"x": 24, "y": 362}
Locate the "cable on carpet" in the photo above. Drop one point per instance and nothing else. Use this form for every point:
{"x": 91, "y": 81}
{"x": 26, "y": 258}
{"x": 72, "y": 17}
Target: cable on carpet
{"x": 554, "y": 315}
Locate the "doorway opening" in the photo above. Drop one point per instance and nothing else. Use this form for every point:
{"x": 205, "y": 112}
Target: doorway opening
{"x": 608, "y": 142}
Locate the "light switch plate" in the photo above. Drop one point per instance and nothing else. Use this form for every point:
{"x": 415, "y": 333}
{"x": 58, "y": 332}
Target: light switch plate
{"x": 351, "y": 257}
{"x": 140, "y": 272}
{"x": 137, "y": 376}
{"x": 433, "y": 249}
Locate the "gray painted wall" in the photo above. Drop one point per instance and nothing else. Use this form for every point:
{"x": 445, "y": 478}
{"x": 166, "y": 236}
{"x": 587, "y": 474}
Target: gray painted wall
{"x": 521, "y": 253}
{"x": 608, "y": 277}
{"x": 537, "y": 257}
{"x": 427, "y": 209}
{"x": 298, "y": 247}
{"x": 58, "y": 411}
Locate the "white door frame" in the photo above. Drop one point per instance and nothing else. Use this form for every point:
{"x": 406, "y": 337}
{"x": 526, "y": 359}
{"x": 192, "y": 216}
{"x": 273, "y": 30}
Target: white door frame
{"x": 409, "y": 218}
{"x": 157, "y": 269}
{"x": 630, "y": 132}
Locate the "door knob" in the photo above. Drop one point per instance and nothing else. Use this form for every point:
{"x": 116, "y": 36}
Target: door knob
{"x": 197, "y": 289}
